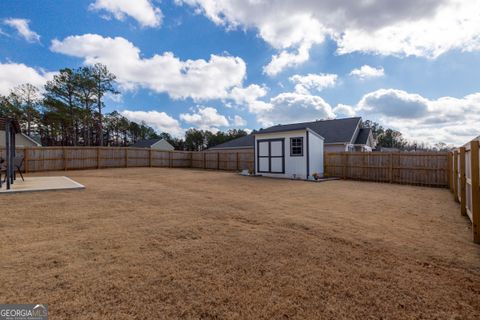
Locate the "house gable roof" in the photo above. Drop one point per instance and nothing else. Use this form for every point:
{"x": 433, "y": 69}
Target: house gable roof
{"x": 145, "y": 143}
{"x": 32, "y": 140}
{"x": 363, "y": 134}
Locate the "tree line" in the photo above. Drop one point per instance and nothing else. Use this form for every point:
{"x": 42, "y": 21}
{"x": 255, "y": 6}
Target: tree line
{"x": 389, "y": 138}
{"x": 69, "y": 112}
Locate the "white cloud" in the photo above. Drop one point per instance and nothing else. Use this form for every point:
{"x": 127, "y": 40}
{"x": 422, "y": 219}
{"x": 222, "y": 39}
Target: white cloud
{"x": 446, "y": 119}
{"x": 287, "y": 59}
{"x": 394, "y": 103}
{"x": 292, "y": 107}
{"x": 303, "y": 84}
{"x": 160, "y": 121}
{"x": 15, "y": 74}
{"x": 239, "y": 121}
{"x": 453, "y": 25}
{"x": 205, "y": 118}
{"x": 249, "y": 97}
{"x": 366, "y": 72}
{"x": 22, "y": 27}
{"x": 424, "y": 28}
{"x": 196, "y": 79}
{"x": 344, "y": 111}
{"x": 143, "y": 11}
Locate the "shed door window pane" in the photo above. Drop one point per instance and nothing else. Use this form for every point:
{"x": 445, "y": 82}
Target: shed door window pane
{"x": 263, "y": 164}
{"x": 277, "y": 165}
{"x": 263, "y": 149}
{"x": 296, "y": 146}
{"x": 277, "y": 149}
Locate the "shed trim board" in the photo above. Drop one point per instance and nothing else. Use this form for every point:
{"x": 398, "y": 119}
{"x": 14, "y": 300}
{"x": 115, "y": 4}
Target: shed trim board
{"x": 308, "y": 154}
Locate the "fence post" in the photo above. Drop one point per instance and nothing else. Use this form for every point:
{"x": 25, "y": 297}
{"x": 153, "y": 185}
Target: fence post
{"x": 64, "y": 159}
{"x": 204, "y": 160}
{"x": 25, "y": 159}
{"x": 238, "y": 162}
{"x": 170, "y": 164}
{"x": 449, "y": 171}
{"x": 218, "y": 160}
{"x": 344, "y": 165}
{"x": 98, "y": 157}
{"x": 455, "y": 175}
{"x": 475, "y": 167}
{"x": 126, "y": 157}
{"x": 150, "y": 157}
{"x": 390, "y": 169}
{"x": 463, "y": 183}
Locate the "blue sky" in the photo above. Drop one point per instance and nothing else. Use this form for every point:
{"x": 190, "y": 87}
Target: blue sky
{"x": 218, "y": 64}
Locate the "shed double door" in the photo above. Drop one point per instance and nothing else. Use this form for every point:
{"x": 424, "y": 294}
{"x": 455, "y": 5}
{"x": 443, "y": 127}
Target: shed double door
{"x": 271, "y": 156}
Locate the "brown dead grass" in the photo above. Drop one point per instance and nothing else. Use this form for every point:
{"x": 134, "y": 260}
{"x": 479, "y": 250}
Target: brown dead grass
{"x": 190, "y": 244}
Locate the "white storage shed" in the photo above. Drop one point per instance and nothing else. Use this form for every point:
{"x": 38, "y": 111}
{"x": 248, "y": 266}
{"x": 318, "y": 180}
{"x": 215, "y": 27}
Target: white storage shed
{"x": 293, "y": 154}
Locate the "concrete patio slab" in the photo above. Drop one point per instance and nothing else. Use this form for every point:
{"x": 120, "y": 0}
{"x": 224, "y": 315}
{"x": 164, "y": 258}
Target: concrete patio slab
{"x": 33, "y": 184}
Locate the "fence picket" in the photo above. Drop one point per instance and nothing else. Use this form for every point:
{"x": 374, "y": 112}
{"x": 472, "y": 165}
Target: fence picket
{"x": 475, "y": 189}
{"x": 429, "y": 169}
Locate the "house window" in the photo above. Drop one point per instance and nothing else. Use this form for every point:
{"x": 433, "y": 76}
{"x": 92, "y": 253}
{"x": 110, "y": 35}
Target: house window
{"x": 296, "y": 147}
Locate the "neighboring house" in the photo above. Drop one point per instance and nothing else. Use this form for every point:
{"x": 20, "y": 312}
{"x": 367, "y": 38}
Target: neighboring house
{"x": 340, "y": 135}
{"x": 21, "y": 140}
{"x": 158, "y": 144}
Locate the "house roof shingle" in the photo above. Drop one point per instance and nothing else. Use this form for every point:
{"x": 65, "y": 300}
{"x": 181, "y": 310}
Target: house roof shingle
{"x": 242, "y": 142}
{"x": 145, "y": 143}
{"x": 333, "y": 131}
{"x": 363, "y": 134}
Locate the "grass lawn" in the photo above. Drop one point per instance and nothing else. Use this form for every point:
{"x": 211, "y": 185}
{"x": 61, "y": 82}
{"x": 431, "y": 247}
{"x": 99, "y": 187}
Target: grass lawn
{"x": 153, "y": 243}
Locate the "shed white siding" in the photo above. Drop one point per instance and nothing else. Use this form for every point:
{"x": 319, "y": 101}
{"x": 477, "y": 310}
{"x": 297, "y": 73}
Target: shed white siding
{"x": 315, "y": 150}
{"x": 294, "y": 166}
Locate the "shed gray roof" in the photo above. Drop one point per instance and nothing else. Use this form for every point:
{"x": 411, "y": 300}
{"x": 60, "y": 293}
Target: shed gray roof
{"x": 145, "y": 143}
{"x": 334, "y": 131}
{"x": 363, "y": 134}
{"x": 242, "y": 142}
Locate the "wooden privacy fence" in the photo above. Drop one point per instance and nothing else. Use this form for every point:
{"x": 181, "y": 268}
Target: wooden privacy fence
{"x": 72, "y": 158}
{"x": 465, "y": 182}
{"x": 426, "y": 168}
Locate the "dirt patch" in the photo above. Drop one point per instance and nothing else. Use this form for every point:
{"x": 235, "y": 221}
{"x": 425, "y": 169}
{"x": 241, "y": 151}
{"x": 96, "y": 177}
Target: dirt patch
{"x": 190, "y": 244}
